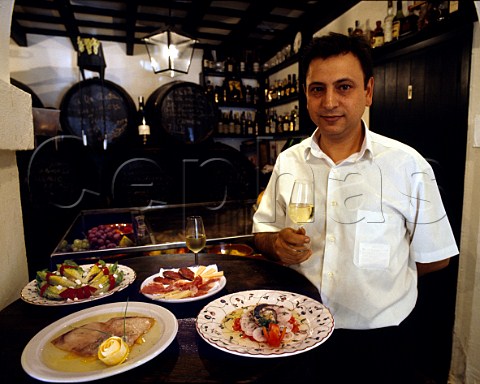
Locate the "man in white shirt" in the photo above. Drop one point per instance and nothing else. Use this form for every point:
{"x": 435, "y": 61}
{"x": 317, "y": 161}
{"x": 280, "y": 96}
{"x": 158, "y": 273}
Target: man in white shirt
{"x": 379, "y": 220}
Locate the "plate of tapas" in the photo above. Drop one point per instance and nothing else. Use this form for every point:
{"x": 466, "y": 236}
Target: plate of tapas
{"x": 71, "y": 283}
{"x": 183, "y": 285}
{"x": 265, "y": 324}
{"x": 99, "y": 342}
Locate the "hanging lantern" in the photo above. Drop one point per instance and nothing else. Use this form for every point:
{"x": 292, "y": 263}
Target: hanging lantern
{"x": 170, "y": 52}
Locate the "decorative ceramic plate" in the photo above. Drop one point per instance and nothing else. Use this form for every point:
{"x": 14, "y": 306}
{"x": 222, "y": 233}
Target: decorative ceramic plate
{"x": 30, "y": 291}
{"x": 316, "y": 322}
{"x": 36, "y": 364}
{"x": 217, "y": 287}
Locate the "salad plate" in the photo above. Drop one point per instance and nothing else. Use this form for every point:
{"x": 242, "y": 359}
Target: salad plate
{"x": 217, "y": 286}
{"x": 35, "y": 361}
{"x": 212, "y": 323}
{"x": 30, "y": 292}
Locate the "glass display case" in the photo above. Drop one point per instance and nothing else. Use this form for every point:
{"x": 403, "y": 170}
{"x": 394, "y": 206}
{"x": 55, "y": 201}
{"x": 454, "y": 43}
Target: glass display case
{"x": 119, "y": 233}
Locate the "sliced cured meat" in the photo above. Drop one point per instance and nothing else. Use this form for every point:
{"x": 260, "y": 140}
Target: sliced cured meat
{"x": 172, "y": 275}
{"x": 187, "y": 273}
{"x": 162, "y": 280}
{"x": 85, "y": 340}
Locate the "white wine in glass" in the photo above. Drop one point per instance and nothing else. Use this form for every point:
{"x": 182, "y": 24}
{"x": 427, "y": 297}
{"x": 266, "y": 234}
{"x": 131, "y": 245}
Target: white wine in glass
{"x": 195, "y": 237}
{"x": 301, "y": 207}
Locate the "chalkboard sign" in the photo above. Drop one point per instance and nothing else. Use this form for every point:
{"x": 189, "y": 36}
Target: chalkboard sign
{"x": 97, "y": 108}
{"x": 183, "y": 111}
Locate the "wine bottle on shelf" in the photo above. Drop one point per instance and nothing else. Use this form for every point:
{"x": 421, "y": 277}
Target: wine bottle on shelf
{"x": 398, "y": 20}
{"x": 250, "y": 124}
{"x": 231, "y": 123}
{"x": 357, "y": 31}
{"x": 387, "y": 23}
{"x": 143, "y": 127}
{"x": 267, "y": 123}
{"x": 378, "y": 36}
{"x": 208, "y": 63}
{"x": 220, "y": 126}
{"x": 230, "y": 66}
{"x": 286, "y": 123}
{"x": 294, "y": 119}
{"x": 411, "y": 22}
{"x": 237, "y": 124}
{"x": 293, "y": 87}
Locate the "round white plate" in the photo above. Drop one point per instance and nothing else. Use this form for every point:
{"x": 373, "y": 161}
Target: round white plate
{"x": 318, "y": 322}
{"x": 33, "y": 364}
{"x": 30, "y": 291}
{"x": 216, "y": 288}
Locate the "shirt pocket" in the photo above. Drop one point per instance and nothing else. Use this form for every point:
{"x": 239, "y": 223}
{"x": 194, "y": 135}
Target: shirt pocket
{"x": 377, "y": 236}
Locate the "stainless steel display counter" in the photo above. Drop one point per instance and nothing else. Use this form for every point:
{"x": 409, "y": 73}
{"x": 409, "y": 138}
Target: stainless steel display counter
{"x": 158, "y": 229}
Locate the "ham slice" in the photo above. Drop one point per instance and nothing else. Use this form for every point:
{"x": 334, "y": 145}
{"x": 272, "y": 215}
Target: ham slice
{"x": 85, "y": 340}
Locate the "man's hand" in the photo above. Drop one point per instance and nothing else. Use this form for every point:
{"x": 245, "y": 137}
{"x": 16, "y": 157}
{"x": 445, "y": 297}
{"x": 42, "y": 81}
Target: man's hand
{"x": 288, "y": 246}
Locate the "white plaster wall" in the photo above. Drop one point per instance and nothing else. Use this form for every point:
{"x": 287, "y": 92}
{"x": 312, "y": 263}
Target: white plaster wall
{"x": 465, "y": 367}
{"x": 49, "y": 67}
{"x": 16, "y": 132}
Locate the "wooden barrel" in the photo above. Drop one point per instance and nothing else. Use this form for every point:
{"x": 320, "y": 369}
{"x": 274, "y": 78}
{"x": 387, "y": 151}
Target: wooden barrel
{"x": 183, "y": 111}
{"x": 98, "y": 107}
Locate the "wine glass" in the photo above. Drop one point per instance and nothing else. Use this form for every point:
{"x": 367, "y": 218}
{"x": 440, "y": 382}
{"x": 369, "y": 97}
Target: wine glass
{"x": 195, "y": 237}
{"x": 301, "y": 205}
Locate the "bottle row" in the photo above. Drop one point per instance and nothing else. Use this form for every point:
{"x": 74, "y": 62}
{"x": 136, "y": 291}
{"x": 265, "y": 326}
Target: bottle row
{"x": 247, "y": 123}
{"x": 282, "y": 123}
{"x": 247, "y": 64}
{"x": 419, "y": 16}
{"x": 233, "y": 91}
{"x": 243, "y": 123}
{"x": 281, "y": 89}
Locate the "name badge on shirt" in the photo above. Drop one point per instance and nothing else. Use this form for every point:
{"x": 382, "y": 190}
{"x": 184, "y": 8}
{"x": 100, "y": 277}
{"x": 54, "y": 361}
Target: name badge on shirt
{"x": 373, "y": 256}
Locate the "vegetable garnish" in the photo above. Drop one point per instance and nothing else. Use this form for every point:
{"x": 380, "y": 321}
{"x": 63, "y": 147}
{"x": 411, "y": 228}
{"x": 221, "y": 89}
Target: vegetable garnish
{"x": 71, "y": 282}
{"x": 115, "y": 350}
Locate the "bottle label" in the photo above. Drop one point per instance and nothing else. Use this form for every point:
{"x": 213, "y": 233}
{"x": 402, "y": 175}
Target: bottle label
{"x": 395, "y": 29}
{"x": 377, "y": 41}
{"x": 388, "y": 33}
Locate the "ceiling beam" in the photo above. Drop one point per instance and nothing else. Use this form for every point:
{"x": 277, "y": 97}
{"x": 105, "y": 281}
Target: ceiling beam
{"x": 18, "y": 34}
{"x": 130, "y": 21}
{"x": 69, "y": 21}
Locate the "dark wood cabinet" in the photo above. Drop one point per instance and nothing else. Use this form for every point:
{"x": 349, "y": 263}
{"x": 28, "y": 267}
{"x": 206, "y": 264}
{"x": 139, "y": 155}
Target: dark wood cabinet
{"x": 421, "y": 99}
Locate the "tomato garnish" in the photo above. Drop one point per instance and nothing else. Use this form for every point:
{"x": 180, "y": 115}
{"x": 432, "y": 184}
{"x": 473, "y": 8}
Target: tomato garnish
{"x": 43, "y": 289}
{"x": 274, "y": 335}
{"x": 236, "y": 325}
{"x": 295, "y": 327}
{"x": 111, "y": 280}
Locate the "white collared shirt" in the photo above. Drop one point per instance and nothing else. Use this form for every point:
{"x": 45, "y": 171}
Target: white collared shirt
{"x": 377, "y": 213}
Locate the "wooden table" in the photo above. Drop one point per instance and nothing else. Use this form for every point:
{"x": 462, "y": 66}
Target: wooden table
{"x": 189, "y": 359}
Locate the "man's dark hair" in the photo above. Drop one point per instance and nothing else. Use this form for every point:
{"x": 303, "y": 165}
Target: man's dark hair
{"x": 335, "y": 44}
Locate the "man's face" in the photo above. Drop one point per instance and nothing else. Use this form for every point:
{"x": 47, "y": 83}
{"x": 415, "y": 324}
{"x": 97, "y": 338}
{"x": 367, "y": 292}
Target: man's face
{"x": 336, "y": 96}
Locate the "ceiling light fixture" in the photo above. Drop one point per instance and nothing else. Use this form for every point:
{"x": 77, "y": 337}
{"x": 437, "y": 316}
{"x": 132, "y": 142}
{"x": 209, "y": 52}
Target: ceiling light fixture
{"x": 170, "y": 51}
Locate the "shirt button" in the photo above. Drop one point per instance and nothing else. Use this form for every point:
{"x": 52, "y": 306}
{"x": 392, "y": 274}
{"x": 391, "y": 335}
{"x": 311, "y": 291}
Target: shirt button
{"x": 330, "y": 274}
{"x": 331, "y": 239}
{"x": 334, "y": 203}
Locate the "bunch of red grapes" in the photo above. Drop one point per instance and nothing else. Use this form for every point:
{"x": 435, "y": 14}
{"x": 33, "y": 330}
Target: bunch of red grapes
{"x": 103, "y": 237}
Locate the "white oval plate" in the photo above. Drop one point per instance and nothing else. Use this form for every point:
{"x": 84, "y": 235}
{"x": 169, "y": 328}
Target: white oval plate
{"x": 30, "y": 291}
{"x": 216, "y": 288}
{"x": 318, "y": 320}
{"x": 33, "y": 364}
